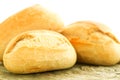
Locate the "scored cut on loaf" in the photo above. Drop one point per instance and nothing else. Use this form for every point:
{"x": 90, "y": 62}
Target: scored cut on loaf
{"x": 38, "y": 51}
{"x": 31, "y": 18}
{"x": 94, "y": 43}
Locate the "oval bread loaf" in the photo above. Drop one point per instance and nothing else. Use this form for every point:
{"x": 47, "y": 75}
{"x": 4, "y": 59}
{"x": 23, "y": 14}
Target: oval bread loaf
{"x": 94, "y": 43}
{"x": 38, "y": 51}
{"x": 31, "y": 18}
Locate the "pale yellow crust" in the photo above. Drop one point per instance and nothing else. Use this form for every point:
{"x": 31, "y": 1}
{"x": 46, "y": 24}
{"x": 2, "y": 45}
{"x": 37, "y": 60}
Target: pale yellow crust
{"x": 38, "y": 51}
{"x": 31, "y": 18}
{"x": 94, "y": 43}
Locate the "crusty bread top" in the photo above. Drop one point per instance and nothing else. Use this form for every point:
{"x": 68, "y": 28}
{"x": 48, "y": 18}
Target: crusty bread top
{"x": 91, "y": 30}
{"x": 39, "y": 38}
{"x": 33, "y": 16}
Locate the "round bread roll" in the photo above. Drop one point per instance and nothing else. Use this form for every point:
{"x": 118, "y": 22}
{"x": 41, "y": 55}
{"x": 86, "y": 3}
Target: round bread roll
{"x": 94, "y": 43}
{"x": 31, "y": 18}
{"x": 38, "y": 51}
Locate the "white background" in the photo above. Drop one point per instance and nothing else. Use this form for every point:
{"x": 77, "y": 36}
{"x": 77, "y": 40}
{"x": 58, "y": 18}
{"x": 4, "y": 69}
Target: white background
{"x": 103, "y": 11}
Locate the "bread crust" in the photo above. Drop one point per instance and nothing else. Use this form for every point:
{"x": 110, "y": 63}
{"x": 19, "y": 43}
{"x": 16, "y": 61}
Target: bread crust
{"x": 94, "y": 43}
{"x": 31, "y": 18}
{"x": 38, "y": 51}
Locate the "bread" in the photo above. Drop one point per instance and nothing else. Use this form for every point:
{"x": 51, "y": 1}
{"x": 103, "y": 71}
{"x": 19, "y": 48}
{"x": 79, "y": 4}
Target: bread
{"x": 94, "y": 43}
{"x": 31, "y": 18}
{"x": 38, "y": 51}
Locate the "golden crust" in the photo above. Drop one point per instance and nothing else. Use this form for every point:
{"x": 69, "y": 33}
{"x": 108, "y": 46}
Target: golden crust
{"x": 38, "y": 51}
{"x": 31, "y": 18}
{"x": 94, "y": 43}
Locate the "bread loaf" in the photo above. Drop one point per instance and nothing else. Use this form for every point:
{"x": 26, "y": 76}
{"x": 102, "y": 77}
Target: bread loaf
{"x": 38, "y": 51}
{"x": 94, "y": 43}
{"x": 31, "y": 18}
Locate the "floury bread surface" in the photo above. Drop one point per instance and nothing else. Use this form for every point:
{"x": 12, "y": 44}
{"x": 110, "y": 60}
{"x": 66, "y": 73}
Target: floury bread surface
{"x": 38, "y": 51}
{"x": 94, "y": 43}
{"x": 31, "y": 18}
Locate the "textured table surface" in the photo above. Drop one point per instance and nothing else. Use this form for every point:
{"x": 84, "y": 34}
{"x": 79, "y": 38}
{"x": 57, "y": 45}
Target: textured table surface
{"x": 78, "y": 72}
